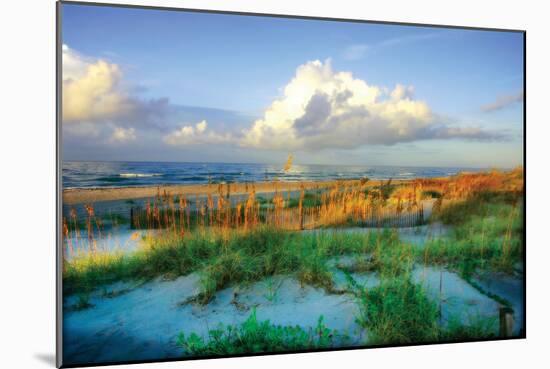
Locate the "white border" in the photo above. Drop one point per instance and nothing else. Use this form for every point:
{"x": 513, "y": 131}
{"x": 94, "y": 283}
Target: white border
{"x": 27, "y": 147}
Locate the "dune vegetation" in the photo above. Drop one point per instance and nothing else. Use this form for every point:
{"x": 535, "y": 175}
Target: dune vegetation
{"x": 234, "y": 241}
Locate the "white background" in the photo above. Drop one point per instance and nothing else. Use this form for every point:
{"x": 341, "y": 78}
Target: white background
{"x": 27, "y": 180}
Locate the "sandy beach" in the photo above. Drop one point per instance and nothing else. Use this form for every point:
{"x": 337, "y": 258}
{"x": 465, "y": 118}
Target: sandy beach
{"x": 90, "y": 195}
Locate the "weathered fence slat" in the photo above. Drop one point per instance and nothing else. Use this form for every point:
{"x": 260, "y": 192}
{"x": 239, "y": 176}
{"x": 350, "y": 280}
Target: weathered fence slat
{"x": 290, "y": 218}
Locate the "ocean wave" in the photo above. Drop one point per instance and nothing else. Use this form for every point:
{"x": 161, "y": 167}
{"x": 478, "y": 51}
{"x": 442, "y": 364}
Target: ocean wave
{"x": 220, "y": 174}
{"x": 123, "y": 174}
{"x": 139, "y": 175}
{"x": 192, "y": 179}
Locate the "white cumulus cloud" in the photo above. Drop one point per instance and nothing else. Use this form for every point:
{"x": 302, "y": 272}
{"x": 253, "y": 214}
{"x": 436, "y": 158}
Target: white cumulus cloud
{"x": 196, "y": 134}
{"x": 91, "y": 89}
{"x": 123, "y": 135}
{"x": 321, "y": 108}
{"x": 94, "y": 91}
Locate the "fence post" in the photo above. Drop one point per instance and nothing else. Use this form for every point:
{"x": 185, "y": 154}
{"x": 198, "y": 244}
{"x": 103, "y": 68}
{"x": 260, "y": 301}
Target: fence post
{"x": 506, "y": 316}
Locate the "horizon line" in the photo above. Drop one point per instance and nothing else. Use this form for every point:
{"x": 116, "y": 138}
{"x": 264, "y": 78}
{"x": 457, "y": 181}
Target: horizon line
{"x": 282, "y": 164}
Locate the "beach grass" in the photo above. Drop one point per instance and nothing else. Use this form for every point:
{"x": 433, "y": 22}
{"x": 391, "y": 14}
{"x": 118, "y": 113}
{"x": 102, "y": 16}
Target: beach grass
{"x": 487, "y": 233}
{"x": 224, "y": 257}
{"x": 398, "y": 311}
{"x": 254, "y": 336}
{"x": 229, "y": 244}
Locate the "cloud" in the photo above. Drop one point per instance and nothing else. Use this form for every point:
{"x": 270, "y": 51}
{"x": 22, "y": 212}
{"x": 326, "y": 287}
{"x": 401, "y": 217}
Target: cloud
{"x": 197, "y": 134}
{"x": 411, "y": 38}
{"x": 84, "y": 130}
{"x": 443, "y": 132}
{"x": 503, "y": 102}
{"x": 359, "y": 51}
{"x": 401, "y": 92}
{"x": 321, "y": 109}
{"x": 123, "y": 135}
{"x": 93, "y": 91}
{"x": 90, "y": 89}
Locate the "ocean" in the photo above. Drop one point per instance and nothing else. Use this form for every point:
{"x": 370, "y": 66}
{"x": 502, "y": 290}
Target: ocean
{"x": 93, "y": 174}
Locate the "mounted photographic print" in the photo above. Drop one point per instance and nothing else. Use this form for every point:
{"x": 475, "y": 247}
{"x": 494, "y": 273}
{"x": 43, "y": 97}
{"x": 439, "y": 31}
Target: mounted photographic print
{"x": 238, "y": 184}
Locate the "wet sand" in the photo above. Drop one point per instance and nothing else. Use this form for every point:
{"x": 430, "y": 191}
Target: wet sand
{"x": 90, "y": 195}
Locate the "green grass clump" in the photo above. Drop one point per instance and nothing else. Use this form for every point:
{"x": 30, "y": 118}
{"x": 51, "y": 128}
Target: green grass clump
{"x": 102, "y": 222}
{"x": 266, "y": 252}
{"x": 310, "y": 200}
{"x": 488, "y": 233}
{"x": 386, "y": 255}
{"x": 480, "y": 204}
{"x": 225, "y": 258}
{"x": 397, "y": 311}
{"x": 84, "y": 274}
{"x": 254, "y": 336}
{"x": 476, "y": 329}
{"x": 386, "y": 189}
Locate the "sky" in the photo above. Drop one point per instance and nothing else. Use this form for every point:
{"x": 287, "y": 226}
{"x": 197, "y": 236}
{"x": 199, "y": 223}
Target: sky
{"x": 157, "y": 85}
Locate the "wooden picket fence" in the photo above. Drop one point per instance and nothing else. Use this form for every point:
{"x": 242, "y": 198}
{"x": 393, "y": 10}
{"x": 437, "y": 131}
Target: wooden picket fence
{"x": 287, "y": 218}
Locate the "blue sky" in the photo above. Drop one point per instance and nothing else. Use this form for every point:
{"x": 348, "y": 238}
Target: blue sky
{"x": 172, "y": 70}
